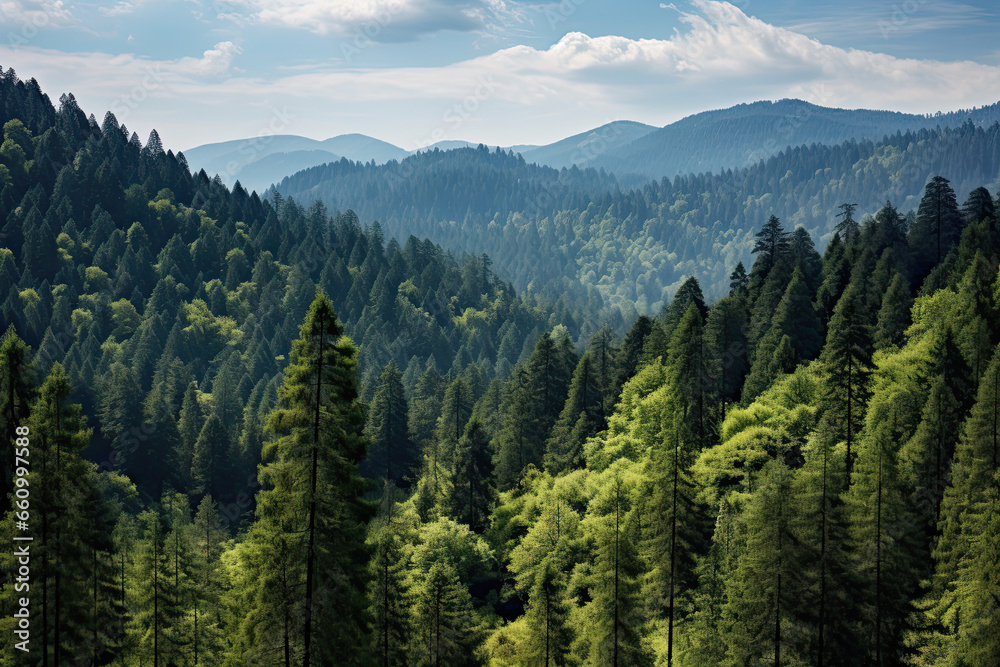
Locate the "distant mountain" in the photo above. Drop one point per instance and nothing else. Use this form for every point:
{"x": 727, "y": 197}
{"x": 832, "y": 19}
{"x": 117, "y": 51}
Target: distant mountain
{"x": 244, "y": 160}
{"x": 587, "y": 147}
{"x": 711, "y": 141}
{"x": 743, "y": 135}
{"x": 555, "y": 231}
{"x": 361, "y": 148}
{"x": 446, "y": 145}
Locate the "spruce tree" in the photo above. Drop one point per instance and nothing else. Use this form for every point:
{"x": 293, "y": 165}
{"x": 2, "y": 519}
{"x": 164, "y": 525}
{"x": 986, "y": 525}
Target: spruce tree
{"x": 938, "y": 224}
{"x": 674, "y": 528}
{"x": 894, "y": 315}
{"x": 762, "y": 590}
{"x": 580, "y": 418}
{"x": 391, "y": 451}
{"x": 547, "y": 619}
{"x": 847, "y": 358}
{"x": 472, "y": 491}
{"x": 16, "y": 389}
{"x": 613, "y": 630}
{"x": 387, "y": 591}
{"x": 882, "y": 540}
{"x": 314, "y": 500}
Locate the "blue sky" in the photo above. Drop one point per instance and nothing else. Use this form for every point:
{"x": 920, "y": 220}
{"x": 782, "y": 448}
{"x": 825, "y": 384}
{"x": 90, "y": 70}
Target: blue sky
{"x": 498, "y": 71}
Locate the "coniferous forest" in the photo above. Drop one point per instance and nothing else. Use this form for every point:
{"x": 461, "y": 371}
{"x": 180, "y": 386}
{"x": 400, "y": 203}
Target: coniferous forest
{"x": 245, "y": 430}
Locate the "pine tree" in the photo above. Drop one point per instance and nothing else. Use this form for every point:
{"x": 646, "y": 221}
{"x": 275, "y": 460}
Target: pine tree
{"x": 738, "y": 281}
{"x": 580, "y": 418}
{"x": 674, "y": 535}
{"x": 819, "y": 525}
{"x": 391, "y": 451}
{"x": 472, "y": 491}
{"x": 762, "y": 588}
{"x": 690, "y": 375}
{"x": 210, "y": 457}
{"x": 848, "y": 363}
{"x": 535, "y": 399}
{"x": 771, "y": 248}
{"x": 894, "y": 315}
{"x": 315, "y": 499}
{"x": 149, "y": 602}
{"x": 848, "y": 227}
{"x": 547, "y": 619}
{"x": 725, "y": 335}
{"x": 387, "y": 593}
{"x": 965, "y": 512}
{"x": 63, "y": 518}
{"x": 925, "y": 459}
{"x": 204, "y": 613}
{"x": 629, "y": 356}
{"x": 425, "y": 408}
{"x": 612, "y": 632}
{"x": 456, "y": 408}
{"x": 881, "y": 533}
{"x": 938, "y": 224}
{"x": 688, "y": 294}
{"x": 794, "y": 318}
{"x": 442, "y": 616}
{"x": 15, "y": 395}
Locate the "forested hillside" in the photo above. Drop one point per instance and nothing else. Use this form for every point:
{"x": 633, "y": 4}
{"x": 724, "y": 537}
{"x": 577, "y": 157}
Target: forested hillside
{"x": 744, "y": 134}
{"x": 574, "y": 231}
{"x": 804, "y": 471}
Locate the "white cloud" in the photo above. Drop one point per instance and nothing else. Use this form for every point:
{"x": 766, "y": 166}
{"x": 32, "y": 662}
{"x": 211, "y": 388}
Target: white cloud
{"x": 122, "y": 8}
{"x": 382, "y": 20}
{"x": 37, "y": 13}
{"x": 214, "y": 62}
{"x": 521, "y": 94}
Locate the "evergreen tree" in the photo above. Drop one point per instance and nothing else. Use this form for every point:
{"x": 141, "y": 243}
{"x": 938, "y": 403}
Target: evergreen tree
{"x": 847, "y": 227}
{"x": 580, "y": 418}
{"x": 938, "y": 224}
{"x": 15, "y": 395}
{"x": 771, "y": 248}
{"x": 315, "y": 499}
{"x": 881, "y": 533}
{"x": 847, "y": 358}
{"x": 762, "y": 589}
{"x": 689, "y": 373}
{"x": 210, "y": 458}
{"x": 894, "y": 315}
{"x": 925, "y": 459}
{"x": 688, "y": 294}
{"x": 795, "y": 319}
{"x": 738, "y": 281}
{"x": 612, "y": 632}
{"x": 966, "y": 511}
{"x": 547, "y": 619}
{"x": 472, "y": 488}
{"x": 819, "y": 526}
{"x": 674, "y": 535}
{"x": 391, "y": 452}
{"x": 387, "y": 593}
{"x": 456, "y": 408}
{"x": 725, "y": 335}
{"x": 442, "y": 616}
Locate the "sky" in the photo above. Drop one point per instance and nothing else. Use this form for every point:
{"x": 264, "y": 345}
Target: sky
{"x": 500, "y": 72}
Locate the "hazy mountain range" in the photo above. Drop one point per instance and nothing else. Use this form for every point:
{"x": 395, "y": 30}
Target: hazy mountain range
{"x": 709, "y": 141}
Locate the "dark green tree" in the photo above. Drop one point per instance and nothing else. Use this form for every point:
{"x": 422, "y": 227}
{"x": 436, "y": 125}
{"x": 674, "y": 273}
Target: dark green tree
{"x": 391, "y": 451}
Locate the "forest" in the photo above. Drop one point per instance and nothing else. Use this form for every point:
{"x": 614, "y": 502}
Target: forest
{"x": 257, "y": 433}
{"x": 580, "y": 232}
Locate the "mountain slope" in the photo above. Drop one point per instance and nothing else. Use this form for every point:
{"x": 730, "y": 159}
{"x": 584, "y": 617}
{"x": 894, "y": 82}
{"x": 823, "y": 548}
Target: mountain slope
{"x": 571, "y": 229}
{"x": 744, "y": 134}
{"x": 582, "y": 149}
